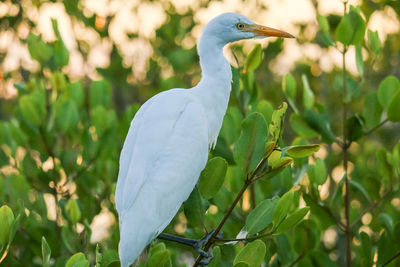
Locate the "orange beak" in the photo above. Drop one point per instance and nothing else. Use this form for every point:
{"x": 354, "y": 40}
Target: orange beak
{"x": 260, "y": 30}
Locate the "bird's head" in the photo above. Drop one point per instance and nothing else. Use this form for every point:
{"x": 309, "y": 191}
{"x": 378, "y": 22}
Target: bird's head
{"x": 231, "y": 27}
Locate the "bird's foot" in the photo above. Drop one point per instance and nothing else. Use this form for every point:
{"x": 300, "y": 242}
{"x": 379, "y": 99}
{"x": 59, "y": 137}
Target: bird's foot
{"x": 208, "y": 256}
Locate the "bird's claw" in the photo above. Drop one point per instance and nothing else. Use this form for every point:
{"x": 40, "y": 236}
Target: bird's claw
{"x": 201, "y": 243}
{"x": 208, "y": 257}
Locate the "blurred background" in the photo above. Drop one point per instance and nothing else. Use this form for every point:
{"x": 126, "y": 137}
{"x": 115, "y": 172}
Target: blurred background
{"x": 129, "y": 51}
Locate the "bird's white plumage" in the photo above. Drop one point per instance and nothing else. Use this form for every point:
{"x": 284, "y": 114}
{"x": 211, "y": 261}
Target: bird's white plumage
{"x": 170, "y": 132}
{"x": 167, "y": 144}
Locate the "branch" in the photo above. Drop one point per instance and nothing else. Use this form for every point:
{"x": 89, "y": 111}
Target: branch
{"x": 247, "y": 182}
{"x": 345, "y": 150}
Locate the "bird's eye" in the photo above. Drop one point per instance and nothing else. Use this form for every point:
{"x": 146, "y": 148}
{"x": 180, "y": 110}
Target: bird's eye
{"x": 240, "y": 26}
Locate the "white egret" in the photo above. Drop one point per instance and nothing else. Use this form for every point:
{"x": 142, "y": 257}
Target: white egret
{"x": 170, "y": 136}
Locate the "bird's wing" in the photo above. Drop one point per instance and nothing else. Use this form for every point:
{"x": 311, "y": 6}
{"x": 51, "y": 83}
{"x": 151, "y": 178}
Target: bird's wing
{"x": 151, "y": 129}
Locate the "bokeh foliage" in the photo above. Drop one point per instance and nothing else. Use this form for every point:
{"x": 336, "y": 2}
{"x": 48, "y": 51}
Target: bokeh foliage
{"x": 60, "y": 140}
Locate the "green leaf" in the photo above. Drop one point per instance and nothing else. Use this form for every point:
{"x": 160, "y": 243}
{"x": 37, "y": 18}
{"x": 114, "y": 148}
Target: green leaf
{"x": 38, "y": 49}
{"x": 73, "y": 210}
{"x": 6, "y": 222}
{"x": 252, "y": 254}
{"x": 158, "y": 247}
{"x": 289, "y": 86}
{"x": 281, "y": 163}
{"x": 372, "y": 110}
{"x": 386, "y": 221}
{"x": 374, "y": 43}
{"x": 260, "y": 217}
{"x": 359, "y": 60}
{"x": 320, "y": 123}
{"x": 254, "y": 58}
{"x": 292, "y": 220}
{"x": 308, "y": 95}
{"x": 67, "y": 116}
{"x": 46, "y": 253}
{"x": 75, "y": 93}
{"x": 356, "y": 187}
{"x": 358, "y": 25}
{"x": 323, "y": 23}
{"x": 160, "y": 258}
{"x": 275, "y": 128}
{"x": 77, "y": 260}
{"x": 110, "y": 258}
{"x": 282, "y": 208}
{"x": 321, "y": 173}
{"x": 216, "y": 261}
{"x": 194, "y": 208}
{"x": 250, "y": 146}
{"x": 99, "y": 256}
{"x": 265, "y": 108}
{"x": 58, "y": 81}
{"x": 302, "y": 151}
{"x": 393, "y": 111}
{"x": 326, "y": 39}
{"x": 355, "y": 126}
{"x": 33, "y": 107}
{"x": 345, "y": 31}
{"x": 235, "y": 82}
{"x": 317, "y": 173}
{"x": 61, "y": 53}
{"x": 351, "y": 28}
{"x": 100, "y": 93}
{"x": 306, "y": 236}
{"x": 300, "y": 126}
{"x": 212, "y": 177}
{"x": 387, "y": 90}
{"x": 366, "y": 249}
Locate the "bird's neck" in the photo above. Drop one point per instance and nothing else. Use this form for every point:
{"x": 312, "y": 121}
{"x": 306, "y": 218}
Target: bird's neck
{"x": 215, "y": 85}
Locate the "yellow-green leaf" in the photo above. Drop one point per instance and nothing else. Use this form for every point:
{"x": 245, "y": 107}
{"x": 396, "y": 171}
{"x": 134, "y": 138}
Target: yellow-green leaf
{"x": 46, "y": 253}
{"x": 289, "y": 86}
{"x": 77, "y": 260}
{"x": 252, "y": 254}
{"x": 302, "y": 151}
{"x": 6, "y": 222}
{"x": 292, "y": 220}
{"x": 308, "y": 95}
{"x": 275, "y": 128}
{"x": 282, "y": 208}
{"x": 73, "y": 210}
{"x": 253, "y": 59}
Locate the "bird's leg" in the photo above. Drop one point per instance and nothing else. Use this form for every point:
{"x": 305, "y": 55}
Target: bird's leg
{"x": 196, "y": 244}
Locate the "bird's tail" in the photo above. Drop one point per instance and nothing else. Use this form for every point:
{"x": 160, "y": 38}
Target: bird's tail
{"x": 133, "y": 239}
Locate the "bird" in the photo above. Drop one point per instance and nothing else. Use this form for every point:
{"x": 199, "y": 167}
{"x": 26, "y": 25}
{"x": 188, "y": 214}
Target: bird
{"x": 170, "y": 136}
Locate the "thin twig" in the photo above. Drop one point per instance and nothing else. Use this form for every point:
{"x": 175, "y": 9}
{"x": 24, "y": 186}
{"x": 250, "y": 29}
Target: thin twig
{"x": 296, "y": 260}
{"x": 248, "y": 239}
{"x": 376, "y": 127}
{"x": 373, "y": 206}
{"x": 391, "y": 259}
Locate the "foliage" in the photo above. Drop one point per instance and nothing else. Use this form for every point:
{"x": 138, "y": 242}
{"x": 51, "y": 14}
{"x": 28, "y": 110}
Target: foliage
{"x": 305, "y": 171}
